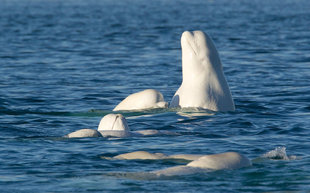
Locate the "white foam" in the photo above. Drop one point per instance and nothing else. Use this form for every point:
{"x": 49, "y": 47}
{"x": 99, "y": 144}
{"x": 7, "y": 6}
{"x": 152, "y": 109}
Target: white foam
{"x": 279, "y": 153}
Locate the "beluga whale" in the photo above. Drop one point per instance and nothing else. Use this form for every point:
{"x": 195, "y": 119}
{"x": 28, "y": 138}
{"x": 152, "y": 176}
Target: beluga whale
{"x": 146, "y": 99}
{"x": 204, "y": 85}
{"x": 197, "y": 163}
{"x": 115, "y": 125}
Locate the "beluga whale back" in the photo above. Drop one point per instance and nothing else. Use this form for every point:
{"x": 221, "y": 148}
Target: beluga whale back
{"x": 204, "y": 84}
{"x": 146, "y": 99}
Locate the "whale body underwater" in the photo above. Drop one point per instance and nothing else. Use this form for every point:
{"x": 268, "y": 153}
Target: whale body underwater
{"x": 197, "y": 164}
{"x": 203, "y": 86}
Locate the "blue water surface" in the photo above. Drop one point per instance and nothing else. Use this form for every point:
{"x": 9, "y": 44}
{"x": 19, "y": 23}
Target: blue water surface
{"x": 66, "y": 64}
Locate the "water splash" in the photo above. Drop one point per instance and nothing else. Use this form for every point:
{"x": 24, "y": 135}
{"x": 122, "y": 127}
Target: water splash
{"x": 279, "y": 153}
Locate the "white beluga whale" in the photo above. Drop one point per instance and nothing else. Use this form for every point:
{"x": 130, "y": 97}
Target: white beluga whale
{"x": 222, "y": 161}
{"x": 204, "y": 84}
{"x": 110, "y": 125}
{"x": 146, "y": 99}
{"x": 115, "y": 125}
{"x": 84, "y": 133}
{"x": 198, "y": 163}
{"x": 228, "y": 160}
{"x": 146, "y": 155}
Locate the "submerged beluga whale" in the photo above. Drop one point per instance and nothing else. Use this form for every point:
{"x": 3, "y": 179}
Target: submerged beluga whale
{"x": 115, "y": 125}
{"x": 110, "y": 125}
{"x": 197, "y": 163}
{"x": 221, "y": 161}
{"x": 204, "y": 84}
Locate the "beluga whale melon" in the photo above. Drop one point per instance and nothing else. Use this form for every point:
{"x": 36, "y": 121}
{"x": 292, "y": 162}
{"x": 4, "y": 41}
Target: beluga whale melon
{"x": 197, "y": 163}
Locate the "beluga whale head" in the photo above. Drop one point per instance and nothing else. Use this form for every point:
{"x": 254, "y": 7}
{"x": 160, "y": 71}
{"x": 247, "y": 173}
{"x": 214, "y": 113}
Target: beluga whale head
{"x": 204, "y": 84}
{"x": 197, "y": 52}
{"x": 193, "y": 49}
{"x": 114, "y": 125}
{"x": 111, "y": 125}
{"x": 113, "y": 122}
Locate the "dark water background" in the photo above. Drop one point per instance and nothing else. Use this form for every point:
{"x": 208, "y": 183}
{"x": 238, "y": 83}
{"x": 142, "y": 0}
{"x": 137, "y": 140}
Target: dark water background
{"x": 66, "y": 64}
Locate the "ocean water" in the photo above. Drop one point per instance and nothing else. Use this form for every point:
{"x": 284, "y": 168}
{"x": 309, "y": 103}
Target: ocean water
{"x": 66, "y": 64}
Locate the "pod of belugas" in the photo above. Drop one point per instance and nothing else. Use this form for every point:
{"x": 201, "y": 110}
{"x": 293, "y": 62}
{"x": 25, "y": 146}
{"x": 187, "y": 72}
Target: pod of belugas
{"x": 203, "y": 86}
{"x": 203, "y": 81}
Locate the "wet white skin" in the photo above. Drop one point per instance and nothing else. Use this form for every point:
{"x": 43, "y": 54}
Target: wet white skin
{"x": 204, "y": 84}
{"x": 146, "y": 99}
{"x": 199, "y": 163}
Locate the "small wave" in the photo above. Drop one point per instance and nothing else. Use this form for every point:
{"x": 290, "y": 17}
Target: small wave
{"x": 279, "y": 153}
{"x": 192, "y": 112}
{"x": 133, "y": 175}
{"x": 165, "y": 174}
{"x": 143, "y": 113}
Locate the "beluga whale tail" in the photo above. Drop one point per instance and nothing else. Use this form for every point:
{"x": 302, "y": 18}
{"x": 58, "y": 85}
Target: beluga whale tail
{"x": 204, "y": 84}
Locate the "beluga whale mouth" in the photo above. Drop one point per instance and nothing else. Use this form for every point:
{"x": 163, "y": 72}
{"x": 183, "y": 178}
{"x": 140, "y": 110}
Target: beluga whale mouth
{"x": 204, "y": 84}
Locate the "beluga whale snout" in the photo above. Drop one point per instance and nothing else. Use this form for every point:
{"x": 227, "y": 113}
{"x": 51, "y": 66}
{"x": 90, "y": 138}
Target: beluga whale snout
{"x": 187, "y": 39}
{"x": 204, "y": 84}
